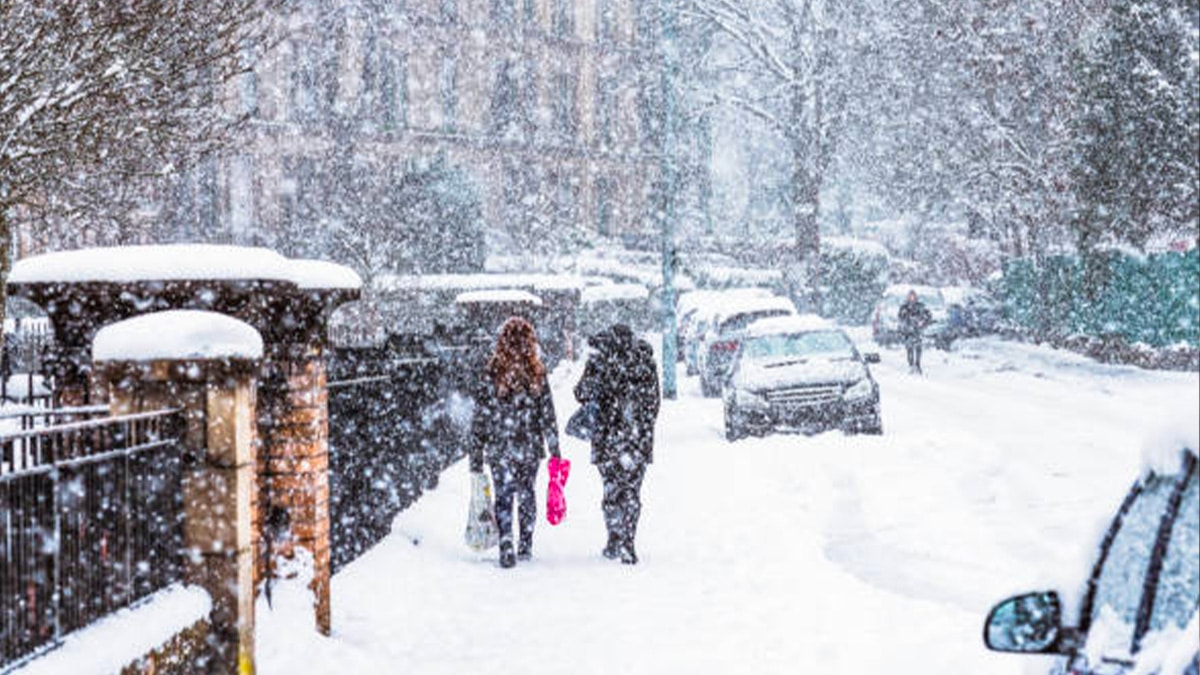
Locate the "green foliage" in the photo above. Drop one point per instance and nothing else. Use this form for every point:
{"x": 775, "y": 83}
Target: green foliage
{"x": 1151, "y": 299}
{"x": 852, "y": 280}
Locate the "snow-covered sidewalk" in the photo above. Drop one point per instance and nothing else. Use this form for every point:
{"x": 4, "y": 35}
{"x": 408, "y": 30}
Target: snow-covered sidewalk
{"x": 786, "y": 554}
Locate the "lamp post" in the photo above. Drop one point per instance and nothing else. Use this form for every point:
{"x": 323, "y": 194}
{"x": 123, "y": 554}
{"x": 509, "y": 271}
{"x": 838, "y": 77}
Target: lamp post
{"x": 668, "y": 180}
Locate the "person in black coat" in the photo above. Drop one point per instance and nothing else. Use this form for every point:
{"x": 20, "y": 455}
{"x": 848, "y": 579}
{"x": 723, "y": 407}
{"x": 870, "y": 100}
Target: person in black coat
{"x": 513, "y": 426}
{"x": 621, "y": 380}
{"x": 913, "y": 318}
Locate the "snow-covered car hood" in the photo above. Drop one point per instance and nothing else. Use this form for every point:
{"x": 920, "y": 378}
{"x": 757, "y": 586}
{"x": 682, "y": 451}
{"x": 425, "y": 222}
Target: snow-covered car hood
{"x": 779, "y": 373}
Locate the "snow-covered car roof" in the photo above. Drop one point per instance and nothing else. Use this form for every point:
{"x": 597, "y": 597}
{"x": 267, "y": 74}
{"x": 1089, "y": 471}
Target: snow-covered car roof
{"x": 714, "y": 299}
{"x": 1178, "y": 431}
{"x": 744, "y": 305}
{"x": 796, "y": 323}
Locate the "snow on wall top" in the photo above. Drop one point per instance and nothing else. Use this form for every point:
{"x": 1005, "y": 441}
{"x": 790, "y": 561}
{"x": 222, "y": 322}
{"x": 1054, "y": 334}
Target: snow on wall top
{"x": 127, "y": 264}
{"x": 119, "y": 639}
{"x": 311, "y": 274}
{"x": 499, "y": 295}
{"x": 177, "y": 334}
{"x": 483, "y": 281}
{"x": 615, "y": 292}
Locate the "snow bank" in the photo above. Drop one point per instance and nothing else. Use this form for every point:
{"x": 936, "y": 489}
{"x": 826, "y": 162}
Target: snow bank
{"x": 116, "y": 641}
{"x": 177, "y": 334}
{"x": 128, "y": 264}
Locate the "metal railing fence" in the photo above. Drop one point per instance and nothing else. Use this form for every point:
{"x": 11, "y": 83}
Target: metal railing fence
{"x": 91, "y": 518}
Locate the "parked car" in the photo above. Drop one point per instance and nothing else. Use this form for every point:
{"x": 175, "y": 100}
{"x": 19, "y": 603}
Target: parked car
{"x": 800, "y": 372}
{"x": 696, "y": 310}
{"x": 885, "y": 328}
{"x": 716, "y": 349}
{"x": 970, "y": 312}
{"x": 1141, "y": 602}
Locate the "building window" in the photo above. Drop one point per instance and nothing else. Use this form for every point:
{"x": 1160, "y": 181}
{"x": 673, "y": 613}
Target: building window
{"x": 248, "y": 84}
{"x": 384, "y": 83}
{"x": 606, "y": 21}
{"x": 606, "y": 111}
{"x": 604, "y": 207}
{"x": 302, "y": 99}
{"x": 448, "y": 10}
{"x": 565, "y": 122}
{"x": 507, "y": 123}
{"x": 447, "y": 85}
{"x": 504, "y": 12}
{"x": 563, "y": 18}
{"x": 530, "y": 14}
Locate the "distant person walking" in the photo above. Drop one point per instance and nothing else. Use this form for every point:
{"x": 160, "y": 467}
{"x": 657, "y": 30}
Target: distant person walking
{"x": 913, "y": 317}
{"x": 621, "y": 380}
{"x": 513, "y": 426}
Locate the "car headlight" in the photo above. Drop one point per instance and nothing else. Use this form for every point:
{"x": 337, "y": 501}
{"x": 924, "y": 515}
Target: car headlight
{"x": 748, "y": 399}
{"x": 859, "y": 390}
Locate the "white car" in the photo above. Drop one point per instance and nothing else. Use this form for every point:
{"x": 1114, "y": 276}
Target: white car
{"x": 721, "y": 341}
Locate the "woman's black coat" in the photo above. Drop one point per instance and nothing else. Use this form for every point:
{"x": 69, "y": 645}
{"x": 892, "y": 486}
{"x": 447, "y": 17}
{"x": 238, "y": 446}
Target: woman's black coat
{"x": 513, "y": 430}
{"x": 622, "y": 379}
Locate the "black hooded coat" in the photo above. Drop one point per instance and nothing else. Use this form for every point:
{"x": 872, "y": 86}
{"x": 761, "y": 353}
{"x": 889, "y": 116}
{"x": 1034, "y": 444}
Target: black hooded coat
{"x": 622, "y": 379}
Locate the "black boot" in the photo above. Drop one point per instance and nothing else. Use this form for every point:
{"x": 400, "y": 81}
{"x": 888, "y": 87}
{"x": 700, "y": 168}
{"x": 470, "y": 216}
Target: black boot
{"x": 507, "y": 559}
{"x": 612, "y": 550}
{"x": 628, "y": 555}
{"x": 525, "y": 547}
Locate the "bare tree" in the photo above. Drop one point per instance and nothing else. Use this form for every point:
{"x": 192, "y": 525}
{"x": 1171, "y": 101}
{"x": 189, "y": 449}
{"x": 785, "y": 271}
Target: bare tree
{"x": 95, "y": 92}
{"x": 785, "y": 73}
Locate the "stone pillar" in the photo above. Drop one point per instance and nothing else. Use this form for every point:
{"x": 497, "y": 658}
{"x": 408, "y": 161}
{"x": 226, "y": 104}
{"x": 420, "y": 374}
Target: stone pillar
{"x": 294, "y": 463}
{"x": 218, "y": 396}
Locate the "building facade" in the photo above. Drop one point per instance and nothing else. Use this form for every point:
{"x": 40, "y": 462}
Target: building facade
{"x": 548, "y": 105}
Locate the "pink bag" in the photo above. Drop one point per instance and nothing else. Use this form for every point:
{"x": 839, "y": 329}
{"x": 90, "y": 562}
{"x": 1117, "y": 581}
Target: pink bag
{"x": 556, "y": 502}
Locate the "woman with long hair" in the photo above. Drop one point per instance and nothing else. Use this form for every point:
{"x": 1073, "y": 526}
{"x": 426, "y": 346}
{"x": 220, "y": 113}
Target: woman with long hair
{"x": 514, "y": 425}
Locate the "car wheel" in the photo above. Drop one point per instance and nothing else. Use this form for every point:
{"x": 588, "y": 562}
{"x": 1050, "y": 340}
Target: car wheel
{"x": 734, "y": 427}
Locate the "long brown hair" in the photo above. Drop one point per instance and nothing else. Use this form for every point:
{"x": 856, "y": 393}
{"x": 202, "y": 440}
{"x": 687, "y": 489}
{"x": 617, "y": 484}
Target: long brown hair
{"x": 515, "y": 365}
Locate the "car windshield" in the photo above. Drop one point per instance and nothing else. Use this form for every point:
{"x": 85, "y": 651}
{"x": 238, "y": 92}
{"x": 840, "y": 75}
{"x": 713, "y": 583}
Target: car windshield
{"x": 823, "y": 343}
{"x": 1122, "y": 579}
{"x": 1179, "y": 581}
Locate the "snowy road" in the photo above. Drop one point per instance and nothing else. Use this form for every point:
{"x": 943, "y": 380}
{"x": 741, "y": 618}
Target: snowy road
{"x": 825, "y": 554}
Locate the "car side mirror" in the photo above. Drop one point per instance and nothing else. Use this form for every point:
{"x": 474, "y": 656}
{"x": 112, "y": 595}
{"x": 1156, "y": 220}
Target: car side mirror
{"x": 871, "y": 357}
{"x": 1028, "y": 624}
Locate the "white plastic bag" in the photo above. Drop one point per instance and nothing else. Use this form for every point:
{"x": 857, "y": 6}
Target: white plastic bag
{"x": 482, "y": 532}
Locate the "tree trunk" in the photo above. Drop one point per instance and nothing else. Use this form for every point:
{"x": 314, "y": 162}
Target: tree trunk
{"x": 806, "y": 194}
{"x": 5, "y": 267}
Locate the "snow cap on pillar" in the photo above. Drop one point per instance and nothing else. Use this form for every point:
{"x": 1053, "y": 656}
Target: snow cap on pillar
{"x": 180, "y": 334}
